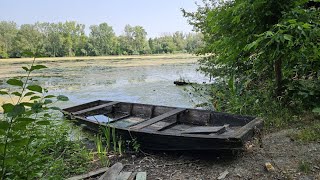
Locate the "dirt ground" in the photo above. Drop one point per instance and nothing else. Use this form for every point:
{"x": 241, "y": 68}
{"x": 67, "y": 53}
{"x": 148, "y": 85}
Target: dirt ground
{"x": 291, "y": 160}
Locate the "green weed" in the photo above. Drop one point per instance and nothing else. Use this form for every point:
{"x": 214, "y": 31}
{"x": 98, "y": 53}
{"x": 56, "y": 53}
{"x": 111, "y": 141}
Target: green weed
{"x": 304, "y": 166}
{"x": 308, "y": 133}
{"x": 33, "y": 143}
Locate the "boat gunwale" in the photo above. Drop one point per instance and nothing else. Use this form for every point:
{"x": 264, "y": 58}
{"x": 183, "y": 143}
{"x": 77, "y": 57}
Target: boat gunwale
{"x": 238, "y": 134}
{"x": 161, "y": 133}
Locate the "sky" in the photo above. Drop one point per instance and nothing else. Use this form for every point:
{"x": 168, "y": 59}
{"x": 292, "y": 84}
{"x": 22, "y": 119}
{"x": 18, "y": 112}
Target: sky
{"x": 156, "y": 16}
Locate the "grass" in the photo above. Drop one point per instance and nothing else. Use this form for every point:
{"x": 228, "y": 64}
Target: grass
{"x": 308, "y": 133}
{"x": 304, "y": 166}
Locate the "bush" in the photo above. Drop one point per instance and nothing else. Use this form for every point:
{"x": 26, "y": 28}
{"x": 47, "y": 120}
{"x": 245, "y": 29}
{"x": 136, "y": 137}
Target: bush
{"x": 32, "y": 145}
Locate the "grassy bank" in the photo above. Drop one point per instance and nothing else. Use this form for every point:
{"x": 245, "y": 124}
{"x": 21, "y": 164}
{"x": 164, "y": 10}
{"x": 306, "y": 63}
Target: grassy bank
{"x": 124, "y": 57}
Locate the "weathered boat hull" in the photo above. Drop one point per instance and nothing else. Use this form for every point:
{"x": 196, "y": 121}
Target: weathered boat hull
{"x": 168, "y": 128}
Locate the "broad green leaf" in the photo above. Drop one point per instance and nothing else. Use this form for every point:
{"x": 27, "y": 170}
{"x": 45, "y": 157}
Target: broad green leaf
{"x": 37, "y": 107}
{"x": 15, "y": 82}
{"x": 35, "y": 88}
{"x": 1, "y": 150}
{"x": 25, "y": 119}
{"x": 49, "y": 96}
{"x": 55, "y": 108}
{"x": 29, "y": 93}
{"x": 17, "y": 94}
{"x": 47, "y": 115}
{"x": 3, "y": 92}
{"x": 306, "y": 25}
{"x": 36, "y": 67}
{"x": 62, "y": 98}
{"x": 25, "y": 68}
{"x": 251, "y": 45}
{"x": 292, "y": 21}
{"x": 20, "y": 142}
{"x": 2, "y": 132}
{"x": 316, "y": 110}
{"x": 17, "y": 110}
{"x": 35, "y": 97}
{"x": 4, "y": 125}
{"x": 7, "y": 108}
{"x": 47, "y": 101}
{"x": 287, "y": 37}
{"x": 21, "y": 125}
{"x": 269, "y": 34}
{"x": 27, "y": 104}
{"x": 43, "y": 122}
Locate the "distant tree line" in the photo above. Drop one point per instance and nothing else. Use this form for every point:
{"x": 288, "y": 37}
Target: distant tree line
{"x": 69, "y": 39}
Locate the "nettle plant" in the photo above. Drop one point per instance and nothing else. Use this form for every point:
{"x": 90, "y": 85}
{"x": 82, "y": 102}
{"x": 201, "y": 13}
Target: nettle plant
{"x": 24, "y": 127}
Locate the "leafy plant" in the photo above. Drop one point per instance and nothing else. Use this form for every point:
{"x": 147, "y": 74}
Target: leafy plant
{"x": 120, "y": 149}
{"x": 114, "y": 139}
{"x": 135, "y": 145}
{"x": 33, "y": 146}
{"x": 265, "y": 47}
{"x": 107, "y": 134}
{"x": 101, "y": 151}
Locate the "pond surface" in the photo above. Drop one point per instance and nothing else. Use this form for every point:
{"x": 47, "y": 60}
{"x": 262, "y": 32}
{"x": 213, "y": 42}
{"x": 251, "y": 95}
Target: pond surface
{"x": 147, "y": 81}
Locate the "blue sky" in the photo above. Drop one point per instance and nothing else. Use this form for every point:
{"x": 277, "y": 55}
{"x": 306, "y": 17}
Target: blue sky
{"x": 156, "y": 16}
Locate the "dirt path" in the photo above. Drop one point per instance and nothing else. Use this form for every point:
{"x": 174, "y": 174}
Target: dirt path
{"x": 291, "y": 160}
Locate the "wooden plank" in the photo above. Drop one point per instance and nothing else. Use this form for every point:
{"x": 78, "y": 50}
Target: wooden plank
{"x": 141, "y": 176}
{"x": 248, "y": 128}
{"x": 205, "y": 130}
{"x": 112, "y": 172}
{"x": 119, "y": 118}
{"x": 151, "y": 111}
{"x": 95, "y": 108}
{"x": 89, "y": 174}
{"x": 149, "y": 122}
{"x": 123, "y": 176}
{"x": 132, "y": 176}
{"x": 168, "y": 126}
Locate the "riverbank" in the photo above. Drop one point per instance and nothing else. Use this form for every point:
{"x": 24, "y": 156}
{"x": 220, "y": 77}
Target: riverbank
{"x": 115, "y": 57}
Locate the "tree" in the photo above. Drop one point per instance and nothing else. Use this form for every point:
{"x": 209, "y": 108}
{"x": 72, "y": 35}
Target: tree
{"x": 179, "y": 40}
{"x": 8, "y": 31}
{"x": 102, "y": 40}
{"x": 135, "y": 40}
{"x": 28, "y": 39}
{"x": 272, "y": 44}
{"x": 193, "y": 42}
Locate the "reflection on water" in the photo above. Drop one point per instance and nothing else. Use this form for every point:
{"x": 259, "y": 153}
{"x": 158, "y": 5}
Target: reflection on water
{"x": 139, "y": 81}
{"x": 99, "y": 118}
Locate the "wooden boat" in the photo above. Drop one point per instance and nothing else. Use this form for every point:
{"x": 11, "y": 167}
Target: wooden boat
{"x": 167, "y": 128}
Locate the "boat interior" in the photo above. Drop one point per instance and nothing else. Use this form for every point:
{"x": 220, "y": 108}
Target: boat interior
{"x": 160, "y": 119}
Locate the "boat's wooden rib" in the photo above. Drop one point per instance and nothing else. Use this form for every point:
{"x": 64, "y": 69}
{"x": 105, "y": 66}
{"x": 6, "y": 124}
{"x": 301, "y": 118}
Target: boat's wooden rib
{"x": 95, "y": 108}
{"x": 120, "y": 118}
{"x": 154, "y": 120}
{"x": 205, "y": 130}
{"x": 167, "y": 126}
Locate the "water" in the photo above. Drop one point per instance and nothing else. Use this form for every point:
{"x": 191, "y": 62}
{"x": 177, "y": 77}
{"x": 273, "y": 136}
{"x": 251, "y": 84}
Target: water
{"x": 147, "y": 81}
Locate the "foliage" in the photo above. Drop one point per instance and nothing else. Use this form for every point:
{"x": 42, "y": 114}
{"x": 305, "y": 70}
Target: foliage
{"x": 269, "y": 51}
{"x": 102, "y": 40}
{"x": 69, "y": 39}
{"x": 33, "y": 146}
{"x": 304, "y": 166}
{"x": 308, "y": 133}
{"x": 104, "y": 141}
{"x": 135, "y": 145}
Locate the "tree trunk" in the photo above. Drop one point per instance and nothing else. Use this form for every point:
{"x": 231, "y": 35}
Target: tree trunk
{"x": 278, "y": 73}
